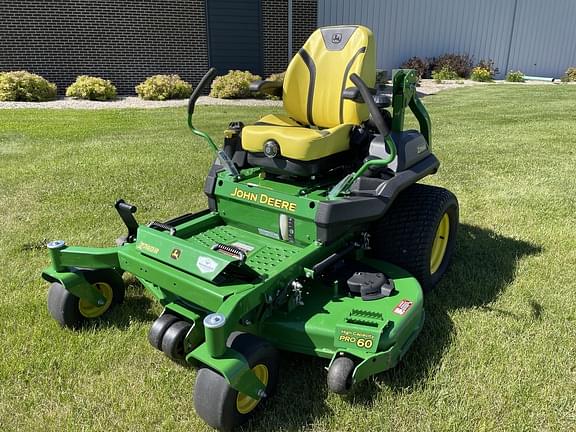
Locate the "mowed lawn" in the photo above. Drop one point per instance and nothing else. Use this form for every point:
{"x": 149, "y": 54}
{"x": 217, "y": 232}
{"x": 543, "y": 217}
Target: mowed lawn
{"x": 498, "y": 351}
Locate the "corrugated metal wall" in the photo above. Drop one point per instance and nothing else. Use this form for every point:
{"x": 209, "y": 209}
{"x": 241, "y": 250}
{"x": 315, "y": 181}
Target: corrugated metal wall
{"x": 537, "y": 37}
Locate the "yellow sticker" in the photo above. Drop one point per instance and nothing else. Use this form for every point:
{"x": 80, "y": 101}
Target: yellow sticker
{"x": 360, "y": 339}
{"x": 262, "y": 198}
{"x": 145, "y": 247}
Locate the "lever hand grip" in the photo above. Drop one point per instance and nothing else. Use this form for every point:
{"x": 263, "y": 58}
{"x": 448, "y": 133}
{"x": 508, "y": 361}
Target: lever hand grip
{"x": 204, "y": 82}
{"x": 372, "y": 107}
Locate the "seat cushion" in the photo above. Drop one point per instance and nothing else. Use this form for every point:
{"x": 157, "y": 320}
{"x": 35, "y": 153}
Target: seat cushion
{"x": 295, "y": 141}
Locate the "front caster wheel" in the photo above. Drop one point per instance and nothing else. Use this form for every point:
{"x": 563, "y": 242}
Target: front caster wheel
{"x": 159, "y": 328}
{"x": 72, "y": 312}
{"x": 220, "y": 405}
{"x": 340, "y": 375}
{"x": 173, "y": 340}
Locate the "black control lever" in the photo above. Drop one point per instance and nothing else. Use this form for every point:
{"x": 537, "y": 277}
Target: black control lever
{"x": 204, "y": 82}
{"x": 126, "y": 212}
{"x": 372, "y": 107}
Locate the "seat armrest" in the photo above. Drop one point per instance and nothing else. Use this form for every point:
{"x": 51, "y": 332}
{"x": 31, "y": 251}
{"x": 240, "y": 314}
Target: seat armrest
{"x": 353, "y": 94}
{"x": 273, "y": 88}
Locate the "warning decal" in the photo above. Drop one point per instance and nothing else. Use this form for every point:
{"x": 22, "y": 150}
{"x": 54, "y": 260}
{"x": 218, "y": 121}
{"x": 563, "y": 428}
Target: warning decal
{"x": 206, "y": 264}
{"x": 402, "y": 307}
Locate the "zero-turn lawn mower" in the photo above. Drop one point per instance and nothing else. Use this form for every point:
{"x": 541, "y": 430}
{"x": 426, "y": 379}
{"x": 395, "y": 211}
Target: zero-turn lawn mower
{"x": 317, "y": 238}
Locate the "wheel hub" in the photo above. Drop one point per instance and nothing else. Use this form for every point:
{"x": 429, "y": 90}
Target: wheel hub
{"x": 440, "y": 243}
{"x": 90, "y": 310}
{"x": 244, "y": 403}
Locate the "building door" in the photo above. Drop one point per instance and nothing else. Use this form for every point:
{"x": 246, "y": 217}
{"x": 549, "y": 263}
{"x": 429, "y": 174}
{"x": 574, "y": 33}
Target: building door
{"x": 235, "y": 35}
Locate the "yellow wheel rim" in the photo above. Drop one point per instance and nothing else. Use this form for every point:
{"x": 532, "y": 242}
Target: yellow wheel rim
{"x": 244, "y": 403}
{"x": 90, "y": 310}
{"x": 440, "y": 243}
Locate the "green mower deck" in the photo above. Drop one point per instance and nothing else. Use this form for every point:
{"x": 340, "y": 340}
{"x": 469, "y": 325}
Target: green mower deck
{"x": 274, "y": 293}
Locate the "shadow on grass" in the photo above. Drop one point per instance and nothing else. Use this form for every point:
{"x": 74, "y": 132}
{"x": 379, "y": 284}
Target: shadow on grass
{"x": 136, "y": 307}
{"x": 483, "y": 266}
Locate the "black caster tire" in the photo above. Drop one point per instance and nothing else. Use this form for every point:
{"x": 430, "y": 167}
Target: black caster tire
{"x": 418, "y": 233}
{"x": 72, "y": 312}
{"x": 158, "y": 329}
{"x": 173, "y": 340}
{"x": 340, "y": 375}
{"x": 220, "y": 405}
{"x": 63, "y": 306}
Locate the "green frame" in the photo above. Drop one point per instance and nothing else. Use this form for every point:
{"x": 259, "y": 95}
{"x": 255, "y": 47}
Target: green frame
{"x": 326, "y": 322}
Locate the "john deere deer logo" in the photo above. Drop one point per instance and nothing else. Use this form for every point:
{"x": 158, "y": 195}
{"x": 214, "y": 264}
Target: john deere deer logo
{"x": 337, "y": 38}
{"x": 175, "y": 254}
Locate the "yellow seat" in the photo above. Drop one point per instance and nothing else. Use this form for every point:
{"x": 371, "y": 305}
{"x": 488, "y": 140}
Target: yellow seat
{"x": 296, "y": 142}
{"x": 319, "y": 119}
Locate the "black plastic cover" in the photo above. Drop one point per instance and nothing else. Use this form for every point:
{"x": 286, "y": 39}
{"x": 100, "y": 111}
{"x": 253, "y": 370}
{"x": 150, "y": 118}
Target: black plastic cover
{"x": 371, "y": 286}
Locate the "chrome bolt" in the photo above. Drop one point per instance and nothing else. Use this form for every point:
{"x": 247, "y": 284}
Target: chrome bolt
{"x": 56, "y": 244}
{"x": 214, "y": 320}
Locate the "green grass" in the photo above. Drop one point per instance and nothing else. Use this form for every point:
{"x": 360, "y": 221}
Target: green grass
{"x": 498, "y": 348}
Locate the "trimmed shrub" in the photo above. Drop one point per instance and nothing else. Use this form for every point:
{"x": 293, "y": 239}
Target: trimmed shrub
{"x": 419, "y": 65}
{"x": 234, "y": 85}
{"x": 381, "y": 77}
{"x": 444, "y": 74}
{"x": 162, "y": 87}
{"x": 92, "y": 88}
{"x": 569, "y": 75}
{"x": 461, "y": 64}
{"x": 481, "y": 74}
{"x": 489, "y": 65}
{"x": 515, "y": 76}
{"x": 24, "y": 86}
{"x": 275, "y": 77}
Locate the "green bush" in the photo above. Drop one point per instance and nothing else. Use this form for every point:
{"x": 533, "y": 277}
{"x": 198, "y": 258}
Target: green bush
{"x": 569, "y": 75}
{"x": 275, "y": 77}
{"x": 381, "y": 77}
{"x": 25, "y": 87}
{"x": 234, "y": 85}
{"x": 489, "y": 65}
{"x": 419, "y": 65}
{"x": 515, "y": 76}
{"x": 92, "y": 88}
{"x": 162, "y": 87}
{"x": 481, "y": 74}
{"x": 444, "y": 74}
{"x": 461, "y": 64}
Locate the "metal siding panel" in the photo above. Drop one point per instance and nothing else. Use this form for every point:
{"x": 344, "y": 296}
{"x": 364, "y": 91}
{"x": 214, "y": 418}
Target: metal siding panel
{"x": 543, "y": 38}
{"x": 544, "y": 33}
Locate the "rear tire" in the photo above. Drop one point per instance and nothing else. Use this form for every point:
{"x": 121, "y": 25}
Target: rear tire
{"x": 418, "y": 233}
{"x": 223, "y": 407}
